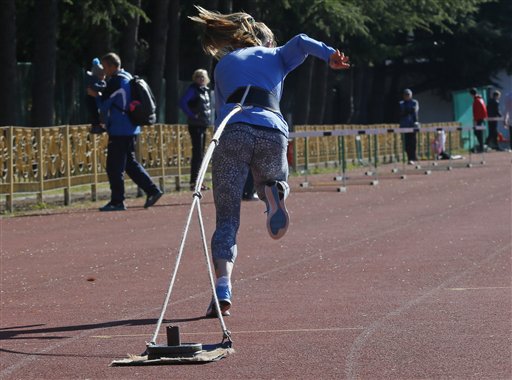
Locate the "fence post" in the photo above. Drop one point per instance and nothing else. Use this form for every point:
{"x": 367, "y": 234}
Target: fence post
{"x": 67, "y": 189}
{"x": 162, "y": 156}
{"x": 293, "y": 143}
{"x": 40, "y": 164}
{"x": 317, "y": 151}
{"x": 429, "y": 151}
{"x": 402, "y": 135}
{"x": 94, "y": 185}
{"x": 9, "y": 199}
{"x": 375, "y": 149}
{"x": 419, "y": 153}
{"x": 340, "y": 153}
{"x": 143, "y": 133}
{"x": 450, "y": 143}
{"x": 343, "y": 158}
{"x": 178, "y": 136}
{"x": 395, "y": 149}
{"x": 306, "y": 154}
{"x": 470, "y": 144}
{"x": 369, "y": 141}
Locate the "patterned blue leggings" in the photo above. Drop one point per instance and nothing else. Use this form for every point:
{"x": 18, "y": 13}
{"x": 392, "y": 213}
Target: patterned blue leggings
{"x": 242, "y": 147}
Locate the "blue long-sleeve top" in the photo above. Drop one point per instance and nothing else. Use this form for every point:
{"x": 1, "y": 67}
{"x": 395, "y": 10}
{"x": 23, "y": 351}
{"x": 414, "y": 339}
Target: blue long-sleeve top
{"x": 265, "y": 68}
{"x": 189, "y": 95}
{"x": 113, "y": 102}
{"x": 409, "y": 113}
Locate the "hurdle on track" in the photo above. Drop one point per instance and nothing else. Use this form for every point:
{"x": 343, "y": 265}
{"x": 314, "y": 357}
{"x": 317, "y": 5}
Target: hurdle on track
{"x": 428, "y": 163}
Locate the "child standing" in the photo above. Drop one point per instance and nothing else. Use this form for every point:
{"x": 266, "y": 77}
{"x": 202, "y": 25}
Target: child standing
{"x": 95, "y": 81}
{"x": 256, "y": 138}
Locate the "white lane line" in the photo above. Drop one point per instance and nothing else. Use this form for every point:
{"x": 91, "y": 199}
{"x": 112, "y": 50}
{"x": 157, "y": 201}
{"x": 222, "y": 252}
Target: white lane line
{"x": 328, "y": 329}
{"x": 31, "y": 357}
{"x": 481, "y": 288}
{"x": 352, "y": 360}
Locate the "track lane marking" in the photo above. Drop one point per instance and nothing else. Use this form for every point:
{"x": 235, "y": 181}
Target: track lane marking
{"x": 328, "y": 329}
{"x": 480, "y": 288}
{"x": 352, "y": 360}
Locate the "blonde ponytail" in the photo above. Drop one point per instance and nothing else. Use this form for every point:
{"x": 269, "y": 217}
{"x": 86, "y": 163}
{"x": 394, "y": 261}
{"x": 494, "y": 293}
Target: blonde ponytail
{"x": 225, "y": 33}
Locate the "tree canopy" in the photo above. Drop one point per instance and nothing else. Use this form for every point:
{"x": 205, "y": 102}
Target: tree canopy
{"x": 440, "y": 45}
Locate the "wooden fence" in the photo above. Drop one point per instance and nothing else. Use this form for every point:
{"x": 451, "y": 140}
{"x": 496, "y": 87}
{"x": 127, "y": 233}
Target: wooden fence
{"x": 35, "y": 160}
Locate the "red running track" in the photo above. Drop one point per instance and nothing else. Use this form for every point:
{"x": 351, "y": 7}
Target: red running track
{"x": 405, "y": 280}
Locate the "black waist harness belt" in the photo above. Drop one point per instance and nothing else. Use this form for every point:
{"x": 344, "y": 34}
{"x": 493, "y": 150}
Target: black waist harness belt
{"x": 257, "y": 97}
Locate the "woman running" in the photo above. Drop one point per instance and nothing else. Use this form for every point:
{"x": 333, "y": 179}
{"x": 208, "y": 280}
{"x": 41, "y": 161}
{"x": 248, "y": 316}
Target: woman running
{"x": 256, "y": 138}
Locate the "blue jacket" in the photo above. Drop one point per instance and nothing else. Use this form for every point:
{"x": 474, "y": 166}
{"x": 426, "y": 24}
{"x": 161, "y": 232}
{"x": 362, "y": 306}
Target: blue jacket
{"x": 265, "y": 68}
{"x": 114, "y": 100}
{"x": 409, "y": 113}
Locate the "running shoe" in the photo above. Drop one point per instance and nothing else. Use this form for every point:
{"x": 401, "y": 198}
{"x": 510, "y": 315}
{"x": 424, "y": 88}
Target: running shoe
{"x": 224, "y": 296}
{"x": 152, "y": 199}
{"x": 113, "y": 207}
{"x": 277, "y": 214}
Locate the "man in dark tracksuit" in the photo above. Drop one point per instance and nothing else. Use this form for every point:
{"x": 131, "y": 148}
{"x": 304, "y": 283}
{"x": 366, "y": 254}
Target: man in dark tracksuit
{"x": 122, "y": 136}
{"x": 493, "y": 110}
{"x": 409, "y": 108}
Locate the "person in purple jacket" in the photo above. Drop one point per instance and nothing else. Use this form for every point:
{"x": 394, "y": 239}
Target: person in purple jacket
{"x": 256, "y": 138}
{"x": 197, "y": 106}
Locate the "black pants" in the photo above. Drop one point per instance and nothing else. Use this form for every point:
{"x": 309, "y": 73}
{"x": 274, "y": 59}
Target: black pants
{"x": 492, "y": 139}
{"x": 120, "y": 159}
{"x": 198, "y": 137}
{"x": 480, "y": 135}
{"x": 410, "y": 146}
{"x": 92, "y": 110}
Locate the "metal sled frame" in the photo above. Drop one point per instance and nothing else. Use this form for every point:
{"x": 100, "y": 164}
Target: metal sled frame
{"x": 209, "y": 352}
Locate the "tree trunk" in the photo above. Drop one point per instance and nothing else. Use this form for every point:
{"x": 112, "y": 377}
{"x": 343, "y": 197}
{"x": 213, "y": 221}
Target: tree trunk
{"x": 171, "y": 63}
{"x": 362, "y": 81}
{"x": 226, "y": 6}
{"x": 319, "y": 89}
{"x": 45, "y": 51}
{"x": 251, "y": 7}
{"x": 391, "y": 110}
{"x": 100, "y": 43}
{"x": 129, "y": 39}
{"x": 8, "y": 70}
{"x": 157, "y": 45}
{"x": 378, "y": 94}
{"x": 303, "y": 75}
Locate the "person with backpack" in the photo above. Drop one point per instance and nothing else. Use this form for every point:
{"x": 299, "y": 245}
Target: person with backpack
{"x": 115, "y": 104}
{"x": 196, "y": 105}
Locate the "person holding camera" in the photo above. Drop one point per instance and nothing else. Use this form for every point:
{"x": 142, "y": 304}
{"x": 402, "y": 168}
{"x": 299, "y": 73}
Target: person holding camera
{"x": 122, "y": 136}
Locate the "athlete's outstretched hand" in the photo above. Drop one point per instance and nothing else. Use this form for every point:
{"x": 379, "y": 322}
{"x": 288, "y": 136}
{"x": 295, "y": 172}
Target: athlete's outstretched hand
{"x": 338, "y": 61}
